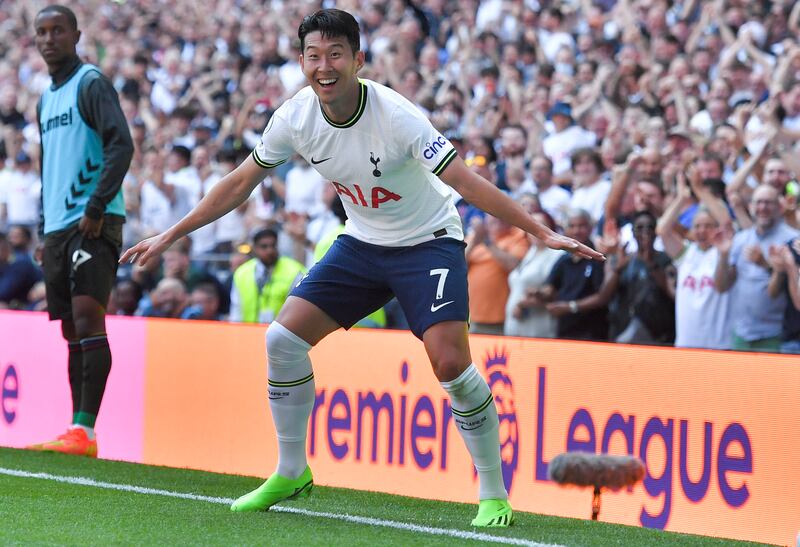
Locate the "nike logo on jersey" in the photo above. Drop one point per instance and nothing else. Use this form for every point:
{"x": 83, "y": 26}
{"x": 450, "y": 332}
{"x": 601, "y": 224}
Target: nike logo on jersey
{"x": 317, "y": 162}
{"x": 79, "y": 257}
{"x": 435, "y": 307}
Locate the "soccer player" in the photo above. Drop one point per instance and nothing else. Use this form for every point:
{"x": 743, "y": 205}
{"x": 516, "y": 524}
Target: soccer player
{"x": 403, "y": 238}
{"x": 86, "y": 150}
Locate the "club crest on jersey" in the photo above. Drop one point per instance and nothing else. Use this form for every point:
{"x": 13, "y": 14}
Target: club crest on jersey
{"x": 431, "y": 149}
{"x": 356, "y": 194}
{"x": 375, "y": 161}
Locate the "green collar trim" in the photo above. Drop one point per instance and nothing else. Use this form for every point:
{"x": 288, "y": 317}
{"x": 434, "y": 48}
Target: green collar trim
{"x": 362, "y": 105}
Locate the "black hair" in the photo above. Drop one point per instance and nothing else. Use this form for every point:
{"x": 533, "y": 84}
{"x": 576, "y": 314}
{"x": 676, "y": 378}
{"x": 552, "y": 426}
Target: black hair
{"x": 716, "y": 186}
{"x": 491, "y": 153}
{"x": 331, "y": 23}
{"x": 227, "y": 155}
{"x": 555, "y": 12}
{"x": 209, "y": 288}
{"x": 263, "y": 233}
{"x": 711, "y": 156}
{"x": 138, "y": 291}
{"x": 547, "y": 70}
{"x": 183, "y": 152}
{"x": 63, "y": 10}
{"x": 490, "y": 71}
{"x": 24, "y": 229}
{"x": 647, "y": 214}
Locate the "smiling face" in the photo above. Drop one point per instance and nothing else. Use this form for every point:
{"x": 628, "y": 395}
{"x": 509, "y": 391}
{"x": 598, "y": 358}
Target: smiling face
{"x": 703, "y": 228}
{"x": 55, "y": 38}
{"x": 331, "y": 68}
{"x": 765, "y": 207}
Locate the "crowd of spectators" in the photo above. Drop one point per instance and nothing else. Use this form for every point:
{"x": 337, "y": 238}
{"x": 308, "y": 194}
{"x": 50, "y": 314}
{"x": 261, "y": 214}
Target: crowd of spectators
{"x": 663, "y": 133}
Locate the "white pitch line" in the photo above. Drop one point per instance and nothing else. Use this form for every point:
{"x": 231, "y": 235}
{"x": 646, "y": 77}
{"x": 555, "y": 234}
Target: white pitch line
{"x": 460, "y": 534}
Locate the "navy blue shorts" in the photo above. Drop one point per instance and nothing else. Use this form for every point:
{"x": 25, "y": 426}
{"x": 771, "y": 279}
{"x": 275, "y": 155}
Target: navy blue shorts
{"x": 354, "y": 279}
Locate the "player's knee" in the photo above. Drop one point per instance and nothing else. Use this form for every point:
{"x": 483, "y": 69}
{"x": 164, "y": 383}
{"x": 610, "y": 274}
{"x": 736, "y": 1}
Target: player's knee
{"x": 86, "y": 326}
{"x": 449, "y": 365}
{"x": 68, "y": 330}
{"x": 284, "y": 348}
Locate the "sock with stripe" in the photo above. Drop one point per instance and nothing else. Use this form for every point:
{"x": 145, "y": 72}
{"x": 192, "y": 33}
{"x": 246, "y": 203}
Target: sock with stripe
{"x": 75, "y": 373}
{"x": 476, "y": 419}
{"x": 96, "y": 367}
{"x": 291, "y": 396}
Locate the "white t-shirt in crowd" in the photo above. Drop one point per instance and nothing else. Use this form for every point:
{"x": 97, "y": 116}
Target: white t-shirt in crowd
{"x": 156, "y": 213}
{"x": 592, "y": 198}
{"x": 558, "y": 147}
{"x": 383, "y": 162}
{"x": 304, "y": 187}
{"x": 230, "y": 227}
{"x": 555, "y": 201}
{"x": 702, "y": 315}
{"x": 21, "y": 192}
{"x": 553, "y": 41}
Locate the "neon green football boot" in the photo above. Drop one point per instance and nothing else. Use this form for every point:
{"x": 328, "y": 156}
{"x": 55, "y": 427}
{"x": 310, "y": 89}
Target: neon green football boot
{"x": 494, "y": 513}
{"x": 276, "y": 488}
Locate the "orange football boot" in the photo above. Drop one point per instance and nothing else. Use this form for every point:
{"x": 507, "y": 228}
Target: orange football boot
{"x": 74, "y": 441}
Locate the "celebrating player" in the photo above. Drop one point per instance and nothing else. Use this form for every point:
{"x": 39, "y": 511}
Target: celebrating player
{"x": 403, "y": 237}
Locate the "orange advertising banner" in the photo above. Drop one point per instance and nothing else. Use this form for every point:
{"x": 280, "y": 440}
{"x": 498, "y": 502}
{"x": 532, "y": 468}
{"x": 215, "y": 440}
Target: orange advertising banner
{"x": 718, "y": 431}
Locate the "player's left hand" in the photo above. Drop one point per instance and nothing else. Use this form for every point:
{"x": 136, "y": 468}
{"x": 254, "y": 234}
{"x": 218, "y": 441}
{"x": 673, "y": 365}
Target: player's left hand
{"x": 90, "y": 228}
{"x": 557, "y": 241}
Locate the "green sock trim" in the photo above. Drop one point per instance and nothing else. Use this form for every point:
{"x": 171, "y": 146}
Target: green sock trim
{"x": 474, "y": 411}
{"x": 84, "y": 418}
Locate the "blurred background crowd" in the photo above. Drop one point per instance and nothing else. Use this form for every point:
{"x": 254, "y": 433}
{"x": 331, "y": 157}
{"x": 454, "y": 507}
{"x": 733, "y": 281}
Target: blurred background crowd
{"x": 664, "y": 133}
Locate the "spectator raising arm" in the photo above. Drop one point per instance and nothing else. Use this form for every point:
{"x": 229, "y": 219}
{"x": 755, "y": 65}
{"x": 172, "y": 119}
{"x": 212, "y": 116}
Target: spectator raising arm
{"x": 673, "y": 241}
{"x": 725, "y": 273}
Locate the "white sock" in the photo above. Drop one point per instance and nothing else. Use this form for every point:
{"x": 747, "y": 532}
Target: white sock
{"x": 476, "y": 419}
{"x": 291, "y": 396}
{"x": 89, "y": 430}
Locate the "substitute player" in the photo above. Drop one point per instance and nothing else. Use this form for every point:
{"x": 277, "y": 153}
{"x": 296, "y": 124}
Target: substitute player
{"x": 403, "y": 237}
{"x": 86, "y": 150}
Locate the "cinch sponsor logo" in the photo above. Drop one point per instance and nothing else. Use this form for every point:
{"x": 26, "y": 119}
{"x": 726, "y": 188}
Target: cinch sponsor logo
{"x": 733, "y": 453}
{"x": 56, "y": 121}
{"x": 431, "y": 149}
{"x": 405, "y": 423}
{"x": 9, "y": 394}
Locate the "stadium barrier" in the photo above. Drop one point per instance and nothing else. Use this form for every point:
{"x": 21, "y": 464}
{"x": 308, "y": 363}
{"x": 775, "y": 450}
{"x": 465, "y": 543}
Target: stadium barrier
{"x": 717, "y": 430}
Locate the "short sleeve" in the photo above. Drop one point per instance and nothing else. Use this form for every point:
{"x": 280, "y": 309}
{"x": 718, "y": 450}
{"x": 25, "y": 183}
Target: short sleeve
{"x": 415, "y": 135}
{"x": 276, "y": 145}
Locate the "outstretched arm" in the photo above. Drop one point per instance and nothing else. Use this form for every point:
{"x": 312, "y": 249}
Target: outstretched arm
{"x": 673, "y": 241}
{"x": 226, "y": 195}
{"x": 483, "y": 194}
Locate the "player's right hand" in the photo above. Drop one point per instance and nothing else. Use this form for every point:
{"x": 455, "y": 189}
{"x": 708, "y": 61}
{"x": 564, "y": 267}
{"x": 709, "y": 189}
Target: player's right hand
{"x": 145, "y": 250}
{"x": 564, "y": 243}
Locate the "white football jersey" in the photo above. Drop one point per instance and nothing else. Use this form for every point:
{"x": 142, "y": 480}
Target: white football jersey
{"x": 383, "y": 163}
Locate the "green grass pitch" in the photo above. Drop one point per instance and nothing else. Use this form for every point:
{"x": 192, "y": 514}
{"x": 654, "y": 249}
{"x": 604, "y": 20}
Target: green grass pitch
{"x": 45, "y": 511}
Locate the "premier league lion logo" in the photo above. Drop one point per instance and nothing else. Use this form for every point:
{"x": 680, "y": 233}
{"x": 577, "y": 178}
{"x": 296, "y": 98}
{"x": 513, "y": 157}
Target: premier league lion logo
{"x": 503, "y": 391}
